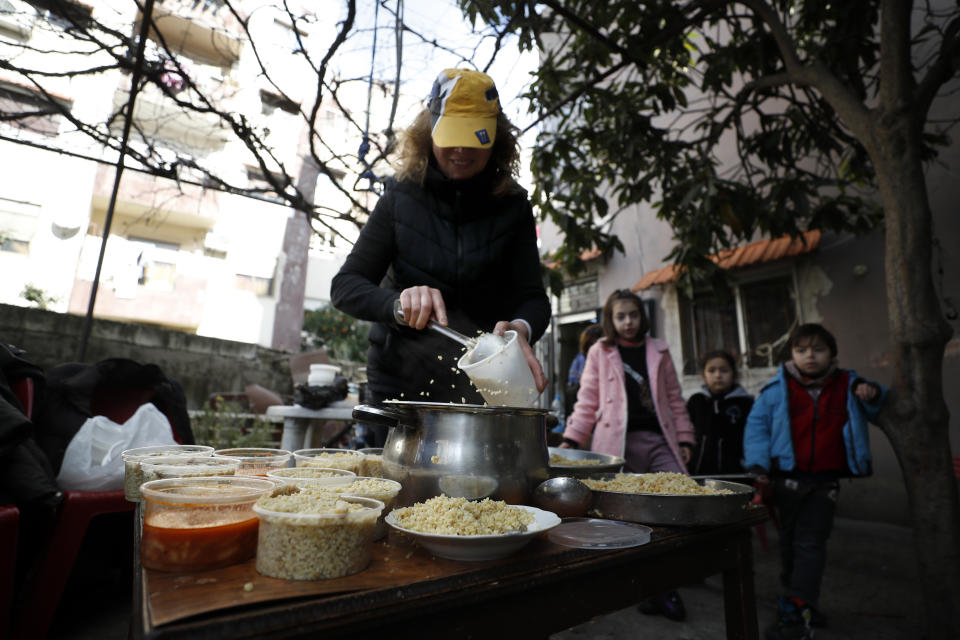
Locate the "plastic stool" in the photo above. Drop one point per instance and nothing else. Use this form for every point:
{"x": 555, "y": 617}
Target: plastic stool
{"x": 45, "y": 588}
{"x": 9, "y": 529}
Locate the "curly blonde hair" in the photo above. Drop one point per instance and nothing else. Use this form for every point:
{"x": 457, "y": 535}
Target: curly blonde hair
{"x": 416, "y": 148}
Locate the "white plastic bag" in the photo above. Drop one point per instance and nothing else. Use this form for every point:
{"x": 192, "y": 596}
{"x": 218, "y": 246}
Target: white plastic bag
{"x": 92, "y": 461}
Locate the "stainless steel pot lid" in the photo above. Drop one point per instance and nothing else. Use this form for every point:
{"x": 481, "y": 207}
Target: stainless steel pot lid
{"x": 594, "y": 533}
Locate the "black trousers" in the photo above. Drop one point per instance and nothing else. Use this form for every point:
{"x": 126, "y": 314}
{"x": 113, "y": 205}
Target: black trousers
{"x": 806, "y": 512}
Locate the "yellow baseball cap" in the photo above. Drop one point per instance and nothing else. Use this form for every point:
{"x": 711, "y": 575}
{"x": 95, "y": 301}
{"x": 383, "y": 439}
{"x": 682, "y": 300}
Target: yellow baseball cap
{"x": 463, "y": 109}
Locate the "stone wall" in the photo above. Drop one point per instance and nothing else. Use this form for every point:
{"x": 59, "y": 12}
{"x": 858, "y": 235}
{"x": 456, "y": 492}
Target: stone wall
{"x": 202, "y": 365}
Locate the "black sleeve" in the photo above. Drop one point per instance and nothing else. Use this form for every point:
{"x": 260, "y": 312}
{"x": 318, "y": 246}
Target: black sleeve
{"x": 355, "y": 289}
{"x": 532, "y": 303}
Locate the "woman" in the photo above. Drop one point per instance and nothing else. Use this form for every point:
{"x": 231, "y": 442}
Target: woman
{"x": 453, "y": 239}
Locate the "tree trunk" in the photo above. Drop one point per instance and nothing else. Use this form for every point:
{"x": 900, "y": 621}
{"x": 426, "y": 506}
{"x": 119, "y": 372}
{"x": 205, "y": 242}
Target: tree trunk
{"x": 916, "y": 418}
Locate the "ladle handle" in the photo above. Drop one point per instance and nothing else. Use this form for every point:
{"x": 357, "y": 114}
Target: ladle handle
{"x": 456, "y": 336}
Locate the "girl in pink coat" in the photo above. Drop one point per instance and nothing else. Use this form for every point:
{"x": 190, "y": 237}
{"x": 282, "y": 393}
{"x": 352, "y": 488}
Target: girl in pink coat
{"x": 630, "y": 401}
{"x": 630, "y": 405}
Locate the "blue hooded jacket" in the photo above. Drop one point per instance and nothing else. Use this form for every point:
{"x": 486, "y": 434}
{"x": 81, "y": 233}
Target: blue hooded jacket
{"x": 767, "y": 435}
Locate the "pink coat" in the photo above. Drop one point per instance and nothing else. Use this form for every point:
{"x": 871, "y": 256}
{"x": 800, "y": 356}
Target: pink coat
{"x": 601, "y": 408}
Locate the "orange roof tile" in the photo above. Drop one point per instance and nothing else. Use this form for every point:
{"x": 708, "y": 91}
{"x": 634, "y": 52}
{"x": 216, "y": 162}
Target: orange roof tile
{"x": 744, "y": 256}
{"x": 585, "y": 256}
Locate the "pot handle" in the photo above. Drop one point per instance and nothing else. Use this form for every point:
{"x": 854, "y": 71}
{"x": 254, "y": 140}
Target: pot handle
{"x": 376, "y": 415}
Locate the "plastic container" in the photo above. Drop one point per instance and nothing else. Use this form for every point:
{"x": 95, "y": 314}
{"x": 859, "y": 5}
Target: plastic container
{"x": 382, "y": 489}
{"x": 372, "y": 464}
{"x": 133, "y": 476}
{"x": 256, "y": 462}
{"x": 312, "y": 476}
{"x": 322, "y": 375}
{"x": 504, "y": 378}
{"x": 297, "y": 545}
{"x": 163, "y": 467}
{"x": 348, "y": 459}
{"x": 193, "y": 524}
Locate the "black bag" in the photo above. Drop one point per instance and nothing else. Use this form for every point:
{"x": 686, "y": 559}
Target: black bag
{"x": 114, "y": 387}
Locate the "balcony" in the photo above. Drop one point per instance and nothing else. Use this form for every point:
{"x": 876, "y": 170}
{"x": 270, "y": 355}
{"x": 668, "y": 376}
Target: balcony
{"x": 202, "y": 29}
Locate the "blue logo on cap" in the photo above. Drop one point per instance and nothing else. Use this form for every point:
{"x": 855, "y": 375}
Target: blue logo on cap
{"x": 482, "y": 136}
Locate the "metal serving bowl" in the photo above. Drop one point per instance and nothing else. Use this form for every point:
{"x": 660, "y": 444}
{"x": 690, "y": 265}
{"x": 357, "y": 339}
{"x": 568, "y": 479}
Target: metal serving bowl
{"x": 674, "y": 510}
{"x": 604, "y": 463}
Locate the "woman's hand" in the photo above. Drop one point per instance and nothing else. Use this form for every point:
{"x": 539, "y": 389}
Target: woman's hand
{"x": 686, "y": 453}
{"x": 421, "y": 304}
{"x": 539, "y": 379}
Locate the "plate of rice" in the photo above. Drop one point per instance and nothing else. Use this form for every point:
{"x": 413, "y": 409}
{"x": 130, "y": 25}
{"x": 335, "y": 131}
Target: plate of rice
{"x": 461, "y": 529}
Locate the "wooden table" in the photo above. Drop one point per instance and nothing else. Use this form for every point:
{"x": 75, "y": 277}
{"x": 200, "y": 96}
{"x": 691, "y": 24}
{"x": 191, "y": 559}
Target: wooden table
{"x": 298, "y": 421}
{"x": 407, "y": 593}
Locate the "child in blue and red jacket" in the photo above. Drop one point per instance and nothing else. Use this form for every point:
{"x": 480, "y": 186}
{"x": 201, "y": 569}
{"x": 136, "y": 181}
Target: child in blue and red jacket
{"x": 807, "y": 429}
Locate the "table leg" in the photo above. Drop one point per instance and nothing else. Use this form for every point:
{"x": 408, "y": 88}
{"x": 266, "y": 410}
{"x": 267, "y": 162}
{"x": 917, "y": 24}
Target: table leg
{"x": 294, "y": 431}
{"x": 739, "y": 598}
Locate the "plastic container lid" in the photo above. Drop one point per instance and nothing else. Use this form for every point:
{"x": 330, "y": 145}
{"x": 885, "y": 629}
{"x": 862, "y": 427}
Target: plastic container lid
{"x": 371, "y": 508}
{"x": 167, "y": 450}
{"x": 593, "y": 533}
{"x": 162, "y": 467}
{"x": 211, "y": 490}
{"x": 312, "y": 476}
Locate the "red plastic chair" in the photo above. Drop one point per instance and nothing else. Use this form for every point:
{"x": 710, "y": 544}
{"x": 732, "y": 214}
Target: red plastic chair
{"x": 77, "y": 510}
{"x": 9, "y": 530}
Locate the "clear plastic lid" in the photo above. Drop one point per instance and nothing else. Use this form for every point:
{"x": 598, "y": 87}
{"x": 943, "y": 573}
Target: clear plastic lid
{"x": 319, "y": 477}
{"x": 371, "y": 508}
{"x": 593, "y": 533}
{"x": 160, "y": 467}
{"x": 326, "y": 453}
{"x": 206, "y": 491}
{"x": 167, "y": 450}
{"x": 255, "y": 455}
{"x": 311, "y": 472}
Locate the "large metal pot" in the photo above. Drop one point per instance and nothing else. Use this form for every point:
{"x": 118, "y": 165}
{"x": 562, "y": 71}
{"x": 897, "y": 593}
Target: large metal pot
{"x": 460, "y": 450}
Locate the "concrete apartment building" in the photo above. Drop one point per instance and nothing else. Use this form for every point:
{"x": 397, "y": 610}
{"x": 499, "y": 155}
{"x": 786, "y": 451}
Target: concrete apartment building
{"x": 179, "y": 255}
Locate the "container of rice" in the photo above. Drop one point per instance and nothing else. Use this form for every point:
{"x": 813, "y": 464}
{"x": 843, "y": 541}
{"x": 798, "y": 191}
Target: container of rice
{"x": 162, "y": 467}
{"x": 133, "y": 475}
{"x": 311, "y": 476}
{"x": 348, "y": 459}
{"x": 314, "y": 534}
{"x": 256, "y": 461}
{"x": 380, "y": 489}
{"x": 372, "y": 464}
{"x": 668, "y": 499}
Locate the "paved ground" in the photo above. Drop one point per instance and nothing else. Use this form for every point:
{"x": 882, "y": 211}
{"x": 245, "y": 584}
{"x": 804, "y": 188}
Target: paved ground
{"x": 870, "y": 593}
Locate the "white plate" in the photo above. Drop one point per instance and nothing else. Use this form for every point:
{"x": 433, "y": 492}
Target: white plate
{"x": 474, "y": 548}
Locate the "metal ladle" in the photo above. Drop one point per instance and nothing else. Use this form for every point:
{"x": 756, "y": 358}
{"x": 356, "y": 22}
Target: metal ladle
{"x": 567, "y": 497}
{"x": 483, "y": 347}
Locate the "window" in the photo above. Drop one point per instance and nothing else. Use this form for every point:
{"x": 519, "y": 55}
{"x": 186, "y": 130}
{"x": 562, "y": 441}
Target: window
{"x": 579, "y": 296}
{"x": 751, "y": 320}
{"x": 18, "y": 223}
{"x": 258, "y": 183}
{"x": 259, "y": 286}
{"x": 157, "y": 262}
{"x": 16, "y": 19}
{"x": 30, "y": 111}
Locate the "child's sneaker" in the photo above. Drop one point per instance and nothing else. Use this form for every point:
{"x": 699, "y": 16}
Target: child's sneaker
{"x": 793, "y": 621}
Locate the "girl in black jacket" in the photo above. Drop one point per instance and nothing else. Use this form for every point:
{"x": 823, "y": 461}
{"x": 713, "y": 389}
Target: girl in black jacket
{"x": 454, "y": 240}
{"x": 719, "y": 413}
